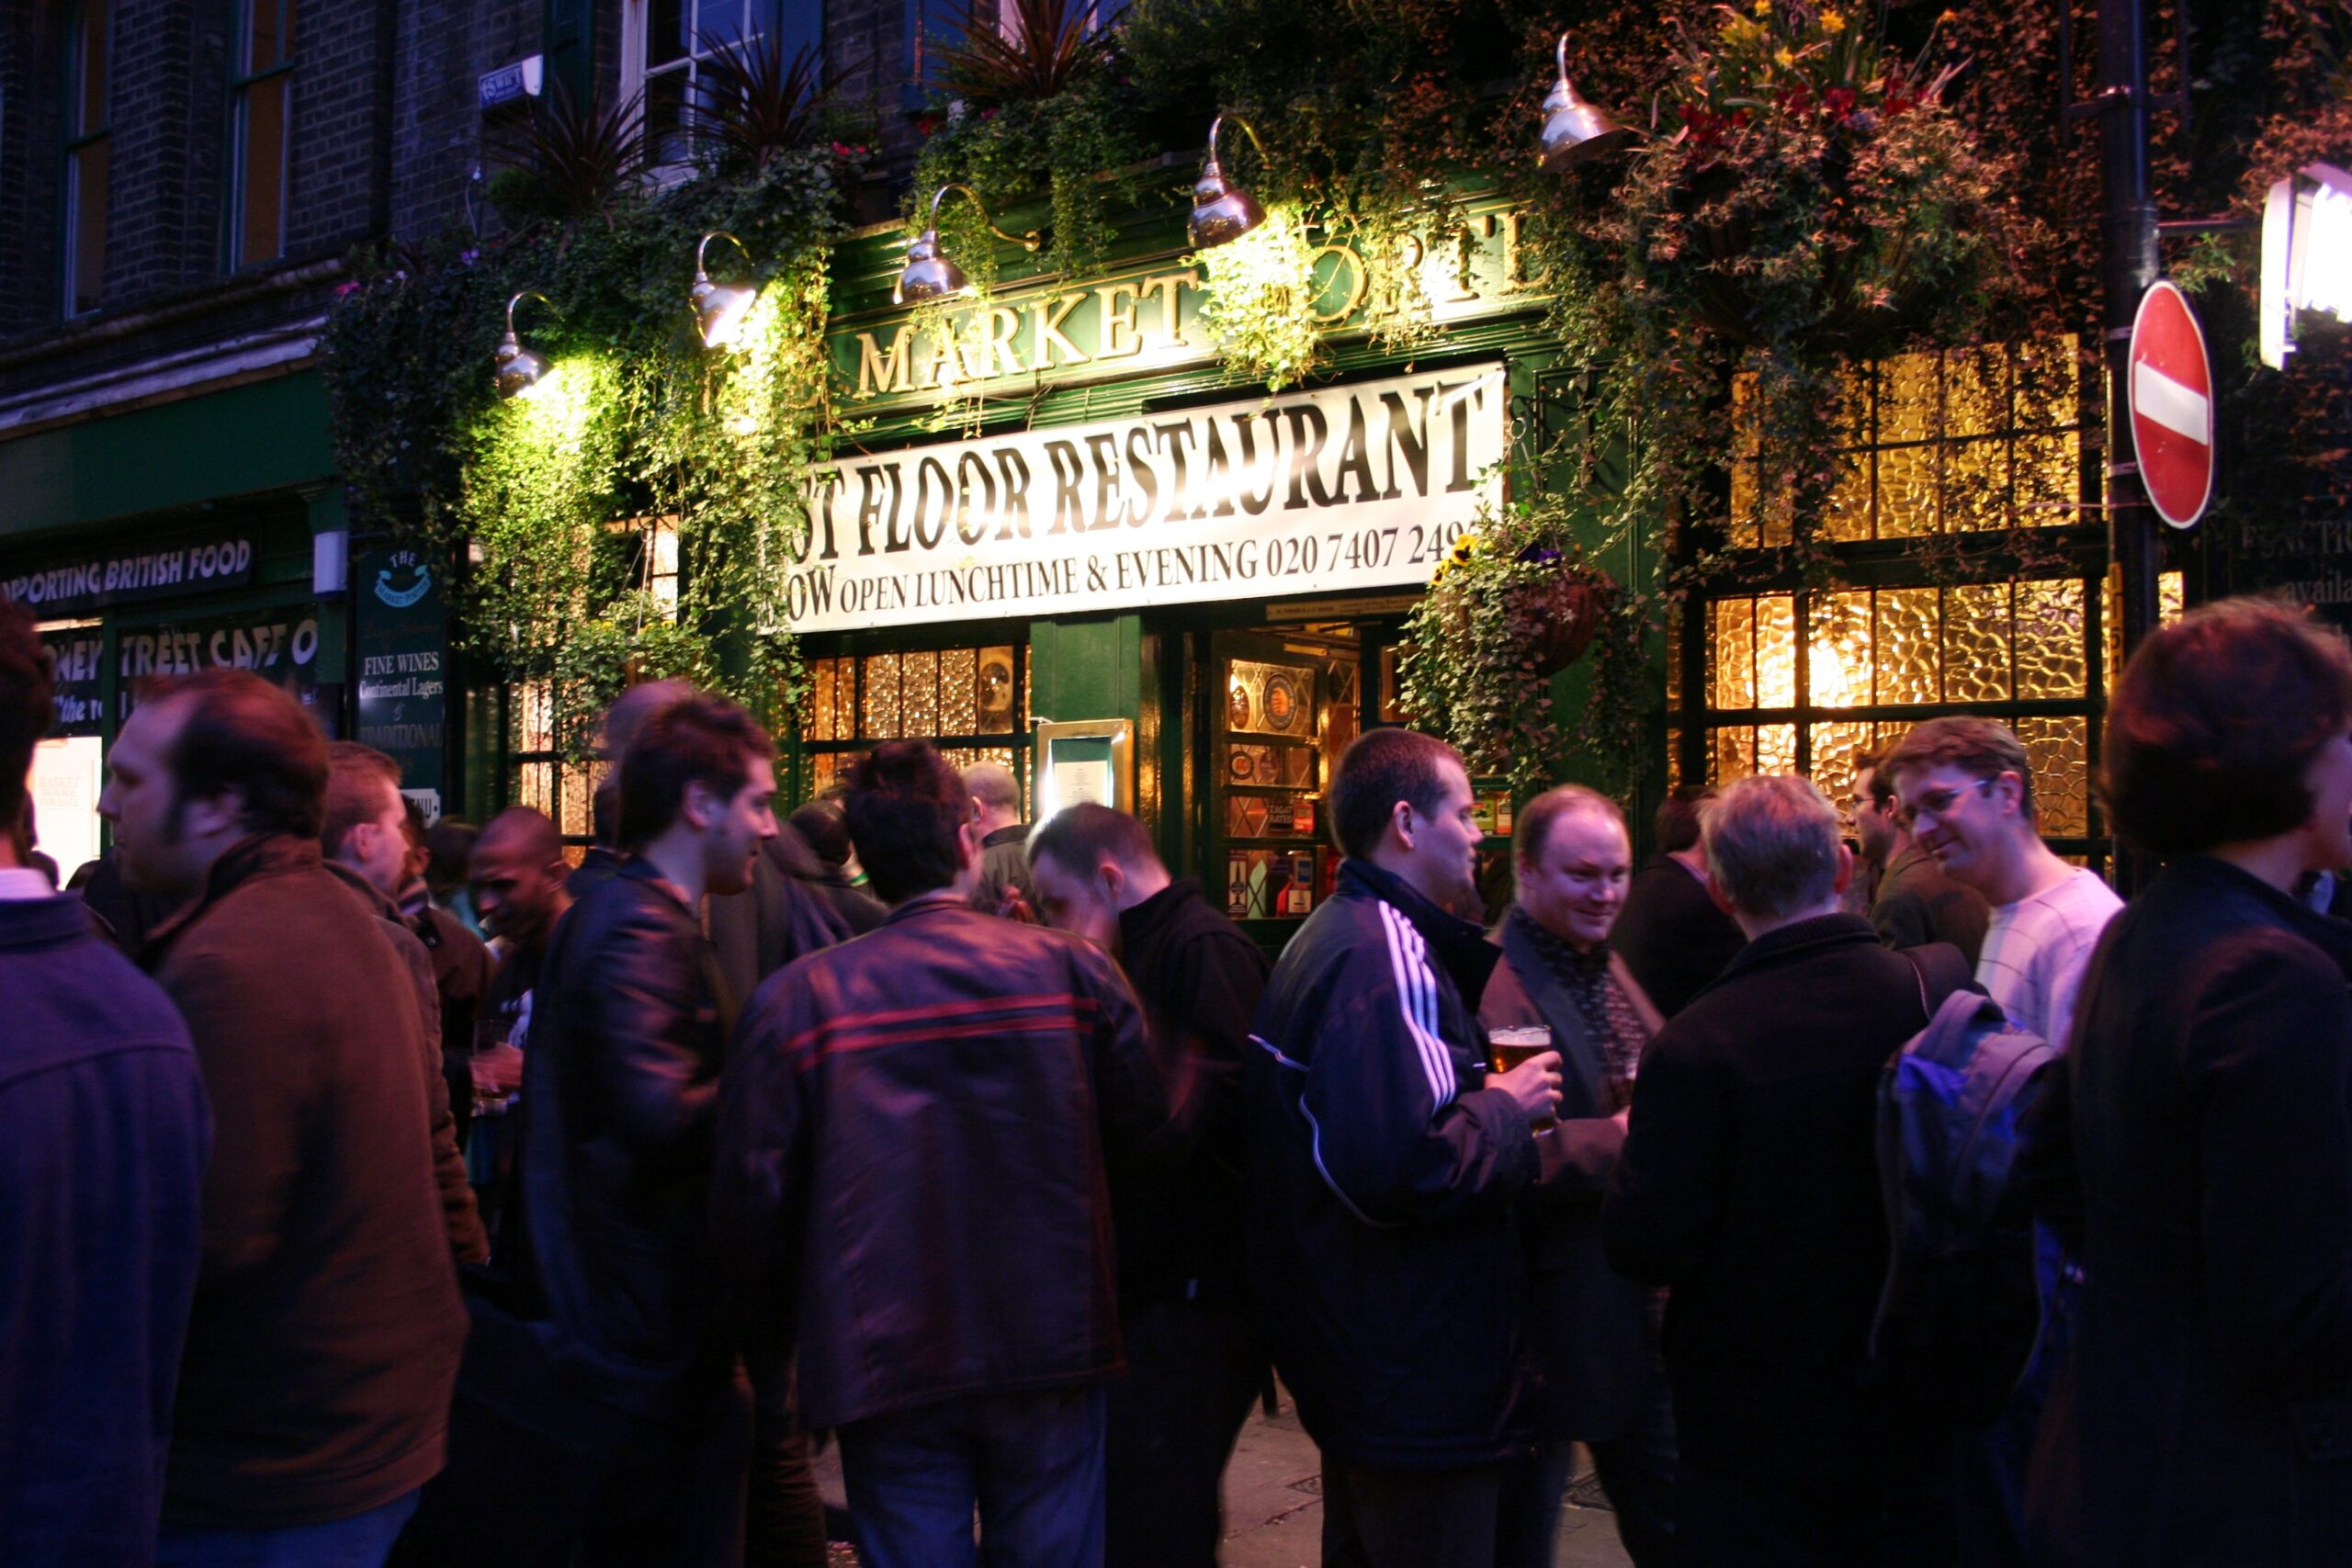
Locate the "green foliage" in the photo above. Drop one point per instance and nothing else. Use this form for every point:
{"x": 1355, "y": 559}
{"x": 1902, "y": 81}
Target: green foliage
{"x": 1259, "y": 300}
{"x": 635, "y": 421}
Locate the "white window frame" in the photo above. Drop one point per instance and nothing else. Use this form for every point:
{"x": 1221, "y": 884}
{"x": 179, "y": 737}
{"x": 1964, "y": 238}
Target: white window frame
{"x": 636, "y": 72}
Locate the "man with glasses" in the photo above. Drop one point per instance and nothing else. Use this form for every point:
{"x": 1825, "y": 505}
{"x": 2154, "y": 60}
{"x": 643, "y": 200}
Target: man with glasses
{"x": 1915, "y": 903}
{"x": 1966, "y": 793}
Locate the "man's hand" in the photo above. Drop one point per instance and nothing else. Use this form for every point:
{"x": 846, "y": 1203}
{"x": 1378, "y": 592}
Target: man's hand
{"x": 1534, "y": 1083}
{"x": 497, "y": 1070}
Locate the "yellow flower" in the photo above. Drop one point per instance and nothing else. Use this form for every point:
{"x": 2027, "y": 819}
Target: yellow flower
{"x": 1464, "y": 548}
{"x": 1763, "y": 9}
{"x": 1436, "y": 573}
{"x": 1784, "y": 59}
{"x": 1833, "y": 21}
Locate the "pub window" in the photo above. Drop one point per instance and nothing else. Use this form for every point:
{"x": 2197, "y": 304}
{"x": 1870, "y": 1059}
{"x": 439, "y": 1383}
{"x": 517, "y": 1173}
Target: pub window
{"x": 261, "y": 104}
{"x": 86, "y": 59}
{"x": 972, "y": 702}
{"x": 544, "y": 780}
{"x": 665, "y": 44}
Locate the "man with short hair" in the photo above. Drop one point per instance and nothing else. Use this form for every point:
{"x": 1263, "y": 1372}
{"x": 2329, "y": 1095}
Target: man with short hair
{"x": 1589, "y": 1330}
{"x": 914, "y": 1132}
{"x": 1672, "y": 937}
{"x": 1004, "y": 887}
{"x": 314, "y": 1389}
{"x": 104, "y": 1132}
{"x": 518, "y": 873}
{"x": 1383, "y": 1163}
{"x": 1966, "y": 786}
{"x": 1748, "y": 1187}
{"x": 594, "y": 1411}
{"x": 362, "y": 835}
{"x": 1916, "y": 902}
{"x": 623, "y": 714}
{"x": 1194, "y": 1358}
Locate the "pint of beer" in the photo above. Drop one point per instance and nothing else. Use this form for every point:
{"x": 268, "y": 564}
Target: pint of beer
{"x": 1512, "y": 1047}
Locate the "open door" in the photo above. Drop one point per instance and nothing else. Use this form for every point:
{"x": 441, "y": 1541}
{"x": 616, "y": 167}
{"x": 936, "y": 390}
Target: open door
{"x": 1284, "y": 708}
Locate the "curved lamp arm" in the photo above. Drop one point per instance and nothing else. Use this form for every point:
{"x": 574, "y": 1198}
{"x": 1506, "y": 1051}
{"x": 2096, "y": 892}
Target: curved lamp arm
{"x": 1029, "y": 242}
{"x": 519, "y": 298}
{"x": 719, "y": 234}
{"x": 1218, "y": 124}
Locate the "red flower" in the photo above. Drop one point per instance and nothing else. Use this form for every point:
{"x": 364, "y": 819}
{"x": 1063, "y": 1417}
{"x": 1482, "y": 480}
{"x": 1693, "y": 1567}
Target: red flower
{"x": 928, "y": 124}
{"x": 1837, "y": 102}
{"x": 1795, "y": 99}
{"x": 1900, "y": 103}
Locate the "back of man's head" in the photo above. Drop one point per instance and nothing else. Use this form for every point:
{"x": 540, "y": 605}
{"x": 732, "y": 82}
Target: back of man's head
{"x": 907, "y": 807}
{"x": 1080, "y": 838}
{"x": 1977, "y": 747}
{"x": 1772, "y": 845}
{"x": 241, "y": 734}
{"x": 993, "y": 786}
{"x": 27, "y": 706}
{"x": 821, "y": 826}
{"x": 357, "y": 779}
{"x": 696, "y": 739}
{"x": 1676, "y": 822}
{"x": 1380, "y": 768}
{"x": 449, "y": 844}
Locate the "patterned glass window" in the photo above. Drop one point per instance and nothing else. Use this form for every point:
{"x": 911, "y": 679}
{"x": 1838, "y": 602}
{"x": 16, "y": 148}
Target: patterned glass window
{"x": 543, "y": 779}
{"x": 971, "y": 702}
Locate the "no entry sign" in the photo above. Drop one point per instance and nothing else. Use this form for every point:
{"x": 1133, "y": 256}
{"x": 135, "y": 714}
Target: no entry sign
{"x": 2171, "y": 406}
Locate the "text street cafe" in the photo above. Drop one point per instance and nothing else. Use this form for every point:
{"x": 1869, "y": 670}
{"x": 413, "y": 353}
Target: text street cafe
{"x": 1131, "y": 580}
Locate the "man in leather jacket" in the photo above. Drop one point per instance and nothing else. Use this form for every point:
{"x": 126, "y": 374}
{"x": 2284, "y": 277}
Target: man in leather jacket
{"x": 940, "y": 1258}
{"x": 596, "y": 1407}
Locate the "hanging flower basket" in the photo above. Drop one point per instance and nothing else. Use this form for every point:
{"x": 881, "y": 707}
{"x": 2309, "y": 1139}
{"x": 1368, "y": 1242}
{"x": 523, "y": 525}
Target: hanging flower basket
{"x": 1818, "y": 195}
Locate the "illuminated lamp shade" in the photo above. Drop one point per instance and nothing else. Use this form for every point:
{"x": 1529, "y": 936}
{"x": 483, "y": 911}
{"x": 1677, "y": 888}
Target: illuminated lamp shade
{"x": 719, "y": 308}
{"x": 514, "y": 368}
{"x": 930, "y": 273}
{"x": 1574, "y": 130}
{"x": 1223, "y": 212}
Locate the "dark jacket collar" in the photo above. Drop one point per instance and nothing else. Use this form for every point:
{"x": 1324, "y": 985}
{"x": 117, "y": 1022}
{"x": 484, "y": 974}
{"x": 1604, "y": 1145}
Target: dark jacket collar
{"x": 1552, "y": 949}
{"x": 248, "y": 860}
{"x": 637, "y": 868}
{"x": 1174, "y": 907}
{"x": 376, "y": 898}
{"x": 44, "y": 922}
{"x": 1459, "y": 945}
{"x": 1802, "y": 940}
{"x": 2209, "y": 880}
{"x": 1011, "y": 833}
{"x": 925, "y": 903}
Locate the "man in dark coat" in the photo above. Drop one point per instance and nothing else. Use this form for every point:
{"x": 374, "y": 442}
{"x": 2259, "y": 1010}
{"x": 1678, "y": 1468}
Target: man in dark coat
{"x": 1195, "y": 1359}
{"x": 1598, "y": 1382}
{"x": 826, "y": 831}
{"x": 314, "y": 1389}
{"x": 518, "y": 889}
{"x": 1384, "y": 1167}
{"x": 1004, "y": 887}
{"x": 1670, "y": 933}
{"x": 595, "y": 1412}
{"x": 1916, "y": 903}
{"x": 103, "y": 1131}
{"x": 784, "y": 914}
{"x": 914, "y": 1132}
{"x": 1748, "y": 1185}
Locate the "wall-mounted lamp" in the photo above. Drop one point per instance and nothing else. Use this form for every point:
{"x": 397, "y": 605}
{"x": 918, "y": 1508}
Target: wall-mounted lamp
{"x": 719, "y": 308}
{"x": 1223, "y": 212}
{"x": 929, "y": 274}
{"x": 1574, "y": 130}
{"x": 515, "y": 369}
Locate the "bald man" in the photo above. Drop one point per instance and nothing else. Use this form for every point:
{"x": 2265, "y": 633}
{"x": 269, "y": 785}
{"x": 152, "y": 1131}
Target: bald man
{"x": 1004, "y": 887}
{"x": 519, "y": 894}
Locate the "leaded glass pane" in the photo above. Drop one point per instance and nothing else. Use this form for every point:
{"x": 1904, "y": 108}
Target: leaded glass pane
{"x": 535, "y": 787}
{"x": 918, "y": 694}
{"x": 1732, "y": 652}
{"x": 1903, "y": 639}
{"x": 1776, "y": 748}
{"x": 820, "y": 701}
{"x": 959, "y": 709}
{"x": 994, "y": 690}
{"x": 1976, "y": 486}
{"x": 1906, "y": 399}
{"x": 1776, "y": 651}
{"x": 1975, "y": 393}
{"x": 881, "y": 697}
{"x": 1744, "y": 534}
{"x": 1835, "y": 747}
{"x": 1906, "y": 492}
{"x": 1779, "y": 522}
{"x": 1837, "y": 659}
{"x": 2046, "y": 470}
{"x": 1849, "y": 517}
{"x": 2050, "y": 639}
{"x": 2057, "y": 748}
{"x": 1976, "y": 643}
{"x": 1735, "y": 754}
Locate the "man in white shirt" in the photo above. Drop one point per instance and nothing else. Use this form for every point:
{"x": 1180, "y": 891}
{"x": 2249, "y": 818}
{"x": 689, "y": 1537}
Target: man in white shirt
{"x": 1966, "y": 788}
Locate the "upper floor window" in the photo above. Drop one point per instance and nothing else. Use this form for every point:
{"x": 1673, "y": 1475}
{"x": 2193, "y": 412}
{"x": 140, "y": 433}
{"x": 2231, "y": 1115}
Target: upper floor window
{"x": 86, "y": 59}
{"x": 261, "y": 95}
{"x": 666, "y": 44}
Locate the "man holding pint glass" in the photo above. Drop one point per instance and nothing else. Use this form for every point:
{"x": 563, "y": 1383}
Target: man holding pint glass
{"x": 1561, "y": 988}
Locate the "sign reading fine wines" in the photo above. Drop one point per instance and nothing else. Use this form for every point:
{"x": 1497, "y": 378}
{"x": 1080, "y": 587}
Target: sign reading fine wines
{"x": 1342, "y": 488}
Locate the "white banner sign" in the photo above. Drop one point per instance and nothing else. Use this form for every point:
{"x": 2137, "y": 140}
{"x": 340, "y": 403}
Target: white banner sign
{"x": 1339, "y": 488}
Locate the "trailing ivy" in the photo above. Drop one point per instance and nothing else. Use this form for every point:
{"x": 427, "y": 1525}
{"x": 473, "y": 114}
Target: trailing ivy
{"x": 635, "y": 431}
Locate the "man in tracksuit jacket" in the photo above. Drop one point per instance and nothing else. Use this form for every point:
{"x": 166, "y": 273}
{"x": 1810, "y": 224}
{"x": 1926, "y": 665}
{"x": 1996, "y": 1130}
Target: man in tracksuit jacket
{"x": 1384, "y": 1160}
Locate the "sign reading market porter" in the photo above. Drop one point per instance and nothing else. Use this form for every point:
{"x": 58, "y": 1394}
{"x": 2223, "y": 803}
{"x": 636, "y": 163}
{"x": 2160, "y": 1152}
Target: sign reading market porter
{"x": 1337, "y": 489}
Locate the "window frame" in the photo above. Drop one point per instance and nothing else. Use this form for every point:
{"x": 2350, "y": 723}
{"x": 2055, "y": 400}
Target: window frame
{"x": 805, "y": 748}
{"x": 79, "y": 139}
{"x": 242, "y": 82}
{"x": 637, "y": 74}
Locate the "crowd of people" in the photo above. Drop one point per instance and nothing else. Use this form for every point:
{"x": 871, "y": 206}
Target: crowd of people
{"x": 375, "y": 1193}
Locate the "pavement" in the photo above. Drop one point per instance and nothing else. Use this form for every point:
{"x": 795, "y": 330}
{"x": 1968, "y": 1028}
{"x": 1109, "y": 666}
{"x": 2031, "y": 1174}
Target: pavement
{"x": 1274, "y": 1503}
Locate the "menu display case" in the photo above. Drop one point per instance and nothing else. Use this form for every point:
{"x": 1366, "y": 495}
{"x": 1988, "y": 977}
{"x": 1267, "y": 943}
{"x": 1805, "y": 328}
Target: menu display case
{"x": 1283, "y": 709}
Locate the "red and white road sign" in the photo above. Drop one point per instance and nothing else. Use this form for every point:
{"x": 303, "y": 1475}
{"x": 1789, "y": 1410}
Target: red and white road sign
{"x": 2171, "y": 406}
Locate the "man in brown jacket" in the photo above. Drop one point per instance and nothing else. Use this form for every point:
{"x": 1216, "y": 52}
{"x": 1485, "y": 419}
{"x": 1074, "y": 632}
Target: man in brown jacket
{"x": 314, "y": 1389}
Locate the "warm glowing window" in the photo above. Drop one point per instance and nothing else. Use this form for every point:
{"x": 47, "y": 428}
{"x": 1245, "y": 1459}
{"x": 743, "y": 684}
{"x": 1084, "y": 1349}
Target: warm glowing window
{"x": 86, "y": 59}
{"x": 261, "y": 95}
{"x": 543, "y": 780}
{"x": 972, "y": 702}
{"x": 1966, "y": 441}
